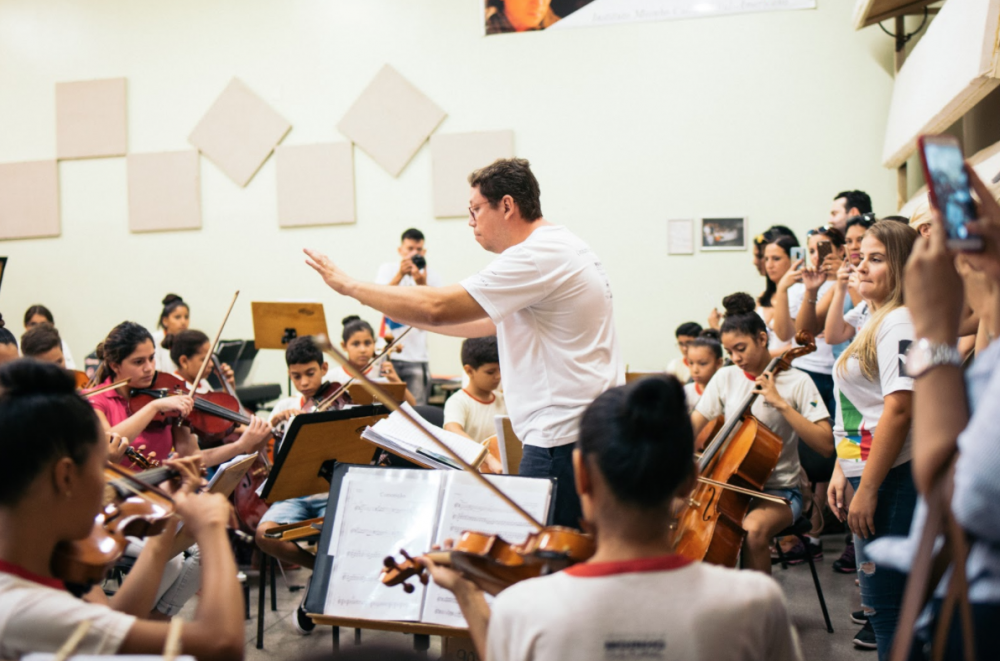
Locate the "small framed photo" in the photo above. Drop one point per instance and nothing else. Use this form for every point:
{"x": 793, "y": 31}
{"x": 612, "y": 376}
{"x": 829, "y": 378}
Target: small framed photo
{"x": 680, "y": 237}
{"x": 723, "y": 234}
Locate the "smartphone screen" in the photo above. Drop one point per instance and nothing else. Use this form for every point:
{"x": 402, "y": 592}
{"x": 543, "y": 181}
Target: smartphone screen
{"x": 797, "y": 254}
{"x": 944, "y": 169}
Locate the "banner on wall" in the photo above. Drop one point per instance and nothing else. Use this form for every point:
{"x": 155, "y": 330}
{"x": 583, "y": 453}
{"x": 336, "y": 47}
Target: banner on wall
{"x": 501, "y": 16}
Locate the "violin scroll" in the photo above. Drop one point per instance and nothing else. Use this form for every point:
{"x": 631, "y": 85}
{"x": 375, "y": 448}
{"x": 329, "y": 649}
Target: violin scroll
{"x": 398, "y": 573}
{"x": 807, "y": 345}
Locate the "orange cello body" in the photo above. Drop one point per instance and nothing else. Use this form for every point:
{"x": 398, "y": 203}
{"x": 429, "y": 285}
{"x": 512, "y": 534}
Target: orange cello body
{"x": 710, "y": 528}
{"x": 709, "y": 525}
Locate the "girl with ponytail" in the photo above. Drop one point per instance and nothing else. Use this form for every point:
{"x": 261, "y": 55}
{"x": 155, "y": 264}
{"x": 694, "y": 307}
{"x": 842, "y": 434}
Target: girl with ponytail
{"x": 789, "y": 405}
{"x": 174, "y": 318}
{"x": 634, "y": 457}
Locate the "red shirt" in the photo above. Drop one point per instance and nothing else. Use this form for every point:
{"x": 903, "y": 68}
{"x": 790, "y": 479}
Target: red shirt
{"x": 155, "y": 441}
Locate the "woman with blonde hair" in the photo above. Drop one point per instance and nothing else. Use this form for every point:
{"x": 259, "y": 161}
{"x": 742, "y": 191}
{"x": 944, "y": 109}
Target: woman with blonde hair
{"x": 872, "y": 430}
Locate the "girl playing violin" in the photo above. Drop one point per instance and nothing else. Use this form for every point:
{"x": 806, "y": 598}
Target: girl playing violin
{"x": 58, "y": 478}
{"x": 189, "y": 350}
{"x": 632, "y": 459}
{"x": 128, "y": 353}
{"x": 358, "y": 341}
{"x": 790, "y": 406}
{"x": 174, "y": 318}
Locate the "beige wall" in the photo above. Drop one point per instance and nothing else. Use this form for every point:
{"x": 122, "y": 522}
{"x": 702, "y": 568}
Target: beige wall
{"x": 765, "y": 115}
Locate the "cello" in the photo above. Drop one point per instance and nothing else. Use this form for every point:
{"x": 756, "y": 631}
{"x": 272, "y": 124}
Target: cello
{"x": 732, "y": 470}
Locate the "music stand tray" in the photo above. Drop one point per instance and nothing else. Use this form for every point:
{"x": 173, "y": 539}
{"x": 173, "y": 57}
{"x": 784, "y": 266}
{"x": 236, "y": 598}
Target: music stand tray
{"x": 312, "y": 440}
{"x": 277, "y": 324}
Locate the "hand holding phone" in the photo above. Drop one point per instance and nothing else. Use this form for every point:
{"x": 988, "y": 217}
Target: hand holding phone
{"x": 949, "y": 189}
{"x": 798, "y": 254}
{"x": 823, "y": 250}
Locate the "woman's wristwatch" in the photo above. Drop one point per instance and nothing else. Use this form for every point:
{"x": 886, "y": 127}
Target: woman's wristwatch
{"x": 924, "y": 355}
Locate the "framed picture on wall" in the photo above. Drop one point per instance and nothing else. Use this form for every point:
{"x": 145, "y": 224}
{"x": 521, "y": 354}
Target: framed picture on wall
{"x": 723, "y": 234}
{"x": 680, "y": 237}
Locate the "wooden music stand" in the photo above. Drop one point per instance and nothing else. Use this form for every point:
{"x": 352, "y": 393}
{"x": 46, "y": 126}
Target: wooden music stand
{"x": 3, "y": 267}
{"x": 277, "y": 324}
{"x": 361, "y": 396}
{"x": 313, "y": 440}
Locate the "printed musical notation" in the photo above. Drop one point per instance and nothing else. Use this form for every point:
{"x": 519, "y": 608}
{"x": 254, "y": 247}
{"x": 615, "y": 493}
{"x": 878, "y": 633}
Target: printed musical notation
{"x": 378, "y": 513}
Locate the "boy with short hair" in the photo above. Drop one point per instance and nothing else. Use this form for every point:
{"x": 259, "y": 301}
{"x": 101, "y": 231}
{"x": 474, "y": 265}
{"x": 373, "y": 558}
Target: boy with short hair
{"x": 686, "y": 334}
{"x": 471, "y": 411}
{"x": 306, "y": 368}
{"x": 42, "y": 342}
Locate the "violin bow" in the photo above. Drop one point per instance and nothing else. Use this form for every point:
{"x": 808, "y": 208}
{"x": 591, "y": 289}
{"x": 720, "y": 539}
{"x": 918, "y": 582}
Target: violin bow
{"x": 745, "y": 492}
{"x": 324, "y": 343}
{"x": 328, "y": 402}
{"x": 110, "y": 386}
{"x": 215, "y": 343}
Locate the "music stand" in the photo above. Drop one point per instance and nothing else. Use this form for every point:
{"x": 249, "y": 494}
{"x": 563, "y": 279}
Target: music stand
{"x": 315, "y": 441}
{"x": 277, "y": 324}
{"x": 3, "y": 267}
{"x": 361, "y": 396}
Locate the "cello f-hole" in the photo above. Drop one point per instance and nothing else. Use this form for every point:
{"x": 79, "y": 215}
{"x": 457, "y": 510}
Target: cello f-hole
{"x": 704, "y": 513}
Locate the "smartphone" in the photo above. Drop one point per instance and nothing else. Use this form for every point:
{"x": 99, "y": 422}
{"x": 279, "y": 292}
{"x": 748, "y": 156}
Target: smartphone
{"x": 949, "y": 189}
{"x": 823, "y": 250}
{"x": 798, "y": 253}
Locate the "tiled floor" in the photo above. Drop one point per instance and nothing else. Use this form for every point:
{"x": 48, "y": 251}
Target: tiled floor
{"x": 281, "y": 642}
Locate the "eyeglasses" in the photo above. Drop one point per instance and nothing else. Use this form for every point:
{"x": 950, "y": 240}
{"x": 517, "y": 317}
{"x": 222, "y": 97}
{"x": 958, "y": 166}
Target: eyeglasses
{"x": 822, "y": 229}
{"x": 474, "y": 211}
{"x": 866, "y": 220}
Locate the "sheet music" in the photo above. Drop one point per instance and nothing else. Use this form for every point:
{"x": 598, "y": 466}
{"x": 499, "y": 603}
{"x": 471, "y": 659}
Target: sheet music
{"x": 399, "y": 430}
{"x": 221, "y": 470}
{"x": 378, "y": 513}
{"x": 467, "y": 505}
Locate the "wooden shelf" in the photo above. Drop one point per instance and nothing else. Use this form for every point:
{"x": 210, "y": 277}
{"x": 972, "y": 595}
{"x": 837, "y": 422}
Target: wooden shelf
{"x": 384, "y": 625}
{"x": 870, "y": 12}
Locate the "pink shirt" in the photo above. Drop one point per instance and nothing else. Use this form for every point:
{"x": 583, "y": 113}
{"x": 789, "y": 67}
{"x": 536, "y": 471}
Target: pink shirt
{"x": 155, "y": 442}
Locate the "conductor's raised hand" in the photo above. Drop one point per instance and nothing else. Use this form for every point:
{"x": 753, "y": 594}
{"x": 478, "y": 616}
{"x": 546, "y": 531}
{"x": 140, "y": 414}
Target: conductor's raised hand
{"x": 332, "y": 275}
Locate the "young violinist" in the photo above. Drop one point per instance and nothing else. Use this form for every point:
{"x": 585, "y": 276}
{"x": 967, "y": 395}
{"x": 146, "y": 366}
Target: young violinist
{"x": 128, "y": 353}
{"x": 39, "y": 314}
{"x": 174, "y": 318}
{"x": 59, "y": 479}
{"x": 789, "y": 405}
{"x": 632, "y": 459}
{"x": 307, "y": 371}
{"x": 189, "y": 350}
{"x": 358, "y": 341}
{"x": 8, "y": 344}
{"x": 42, "y": 342}
{"x": 704, "y": 359}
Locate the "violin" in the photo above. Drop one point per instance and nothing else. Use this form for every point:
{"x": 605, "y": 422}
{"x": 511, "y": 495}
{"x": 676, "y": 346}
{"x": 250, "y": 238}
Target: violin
{"x": 134, "y": 507}
{"x": 215, "y": 414}
{"x": 494, "y": 563}
{"x": 334, "y": 396}
{"x": 81, "y": 378}
{"x": 732, "y": 471}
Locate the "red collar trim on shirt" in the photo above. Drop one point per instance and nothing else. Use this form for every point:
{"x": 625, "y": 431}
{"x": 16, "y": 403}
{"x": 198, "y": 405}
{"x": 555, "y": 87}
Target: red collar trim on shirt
{"x": 597, "y": 569}
{"x": 749, "y": 376}
{"x": 698, "y": 388}
{"x": 685, "y": 361}
{"x": 479, "y": 400}
{"x": 17, "y": 570}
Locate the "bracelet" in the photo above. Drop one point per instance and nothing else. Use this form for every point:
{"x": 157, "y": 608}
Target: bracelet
{"x": 811, "y": 300}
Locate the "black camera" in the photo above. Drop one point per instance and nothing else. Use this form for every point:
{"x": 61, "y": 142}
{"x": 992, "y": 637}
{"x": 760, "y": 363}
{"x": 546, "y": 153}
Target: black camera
{"x": 419, "y": 262}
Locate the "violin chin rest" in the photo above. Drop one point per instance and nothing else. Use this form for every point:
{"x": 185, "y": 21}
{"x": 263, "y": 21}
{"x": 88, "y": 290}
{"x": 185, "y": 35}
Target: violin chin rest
{"x": 407, "y": 588}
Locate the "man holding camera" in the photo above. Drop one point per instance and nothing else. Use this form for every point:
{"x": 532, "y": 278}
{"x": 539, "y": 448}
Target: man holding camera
{"x": 411, "y": 362}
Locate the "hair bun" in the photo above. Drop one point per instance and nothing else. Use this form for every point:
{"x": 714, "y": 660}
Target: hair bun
{"x": 349, "y": 319}
{"x": 650, "y": 405}
{"x": 711, "y": 334}
{"x": 171, "y": 298}
{"x": 27, "y": 377}
{"x": 740, "y": 303}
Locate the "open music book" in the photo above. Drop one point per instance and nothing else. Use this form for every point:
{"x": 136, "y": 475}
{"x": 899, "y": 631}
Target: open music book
{"x": 398, "y": 435}
{"x": 381, "y": 511}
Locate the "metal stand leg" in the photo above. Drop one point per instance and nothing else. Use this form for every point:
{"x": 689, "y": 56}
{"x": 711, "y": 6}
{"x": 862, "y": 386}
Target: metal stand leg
{"x": 336, "y": 638}
{"x": 819, "y": 588}
{"x": 357, "y": 636}
{"x": 261, "y": 596}
{"x": 421, "y": 643}
{"x": 274, "y": 583}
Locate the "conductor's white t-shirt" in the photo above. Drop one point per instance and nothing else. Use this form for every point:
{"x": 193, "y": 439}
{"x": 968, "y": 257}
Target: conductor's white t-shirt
{"x": 38, "y": 615}
{"x": 551, "y": 302}
{"x": 653, "y": 608}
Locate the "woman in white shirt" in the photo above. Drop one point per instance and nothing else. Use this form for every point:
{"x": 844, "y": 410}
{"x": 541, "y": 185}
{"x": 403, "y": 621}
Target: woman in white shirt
{"x": 872, "y": 429}
{"x": 777, "y": 262}
{"x": 633, "y": 457}
{"x": 789, "y": 405}
{"x": 59, "y": 479}
{"x": 174, "y": 318}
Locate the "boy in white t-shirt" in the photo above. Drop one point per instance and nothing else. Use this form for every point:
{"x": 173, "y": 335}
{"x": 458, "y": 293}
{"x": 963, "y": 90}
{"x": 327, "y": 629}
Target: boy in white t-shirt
{"x": 471, "y": 411}
{"x": 686, "y": 334}
{"x": 634, "y": 598}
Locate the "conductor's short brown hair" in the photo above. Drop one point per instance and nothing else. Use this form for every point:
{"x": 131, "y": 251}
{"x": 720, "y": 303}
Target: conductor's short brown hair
{"x": 510, "y": 176}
